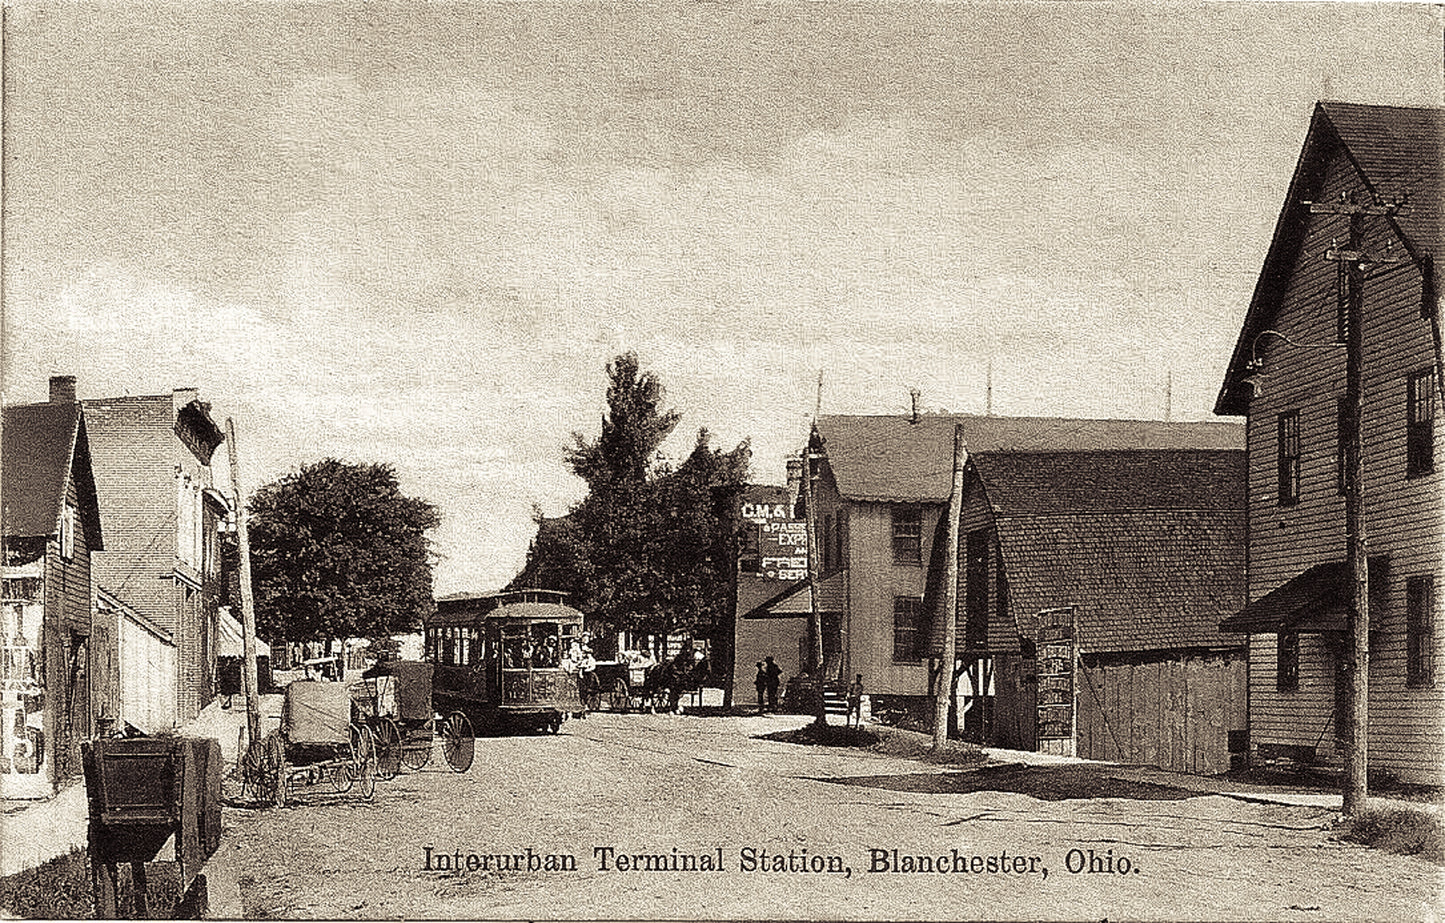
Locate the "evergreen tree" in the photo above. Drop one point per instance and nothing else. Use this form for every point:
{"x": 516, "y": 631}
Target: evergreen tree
{"x": 649, "y": 549}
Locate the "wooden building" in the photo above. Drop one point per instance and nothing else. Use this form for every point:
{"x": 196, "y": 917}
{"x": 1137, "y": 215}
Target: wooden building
{"x": 162, "y": 515}
{"x": 57, "y": 672}
{"x": 1096, "y": 558}
{"x": 1287, "y": 379}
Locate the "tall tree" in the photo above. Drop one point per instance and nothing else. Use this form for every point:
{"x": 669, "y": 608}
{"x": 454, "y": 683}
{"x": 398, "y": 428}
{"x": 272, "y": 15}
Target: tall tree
{"x": 338, "y": 551}
{"x": 649, "y": 548}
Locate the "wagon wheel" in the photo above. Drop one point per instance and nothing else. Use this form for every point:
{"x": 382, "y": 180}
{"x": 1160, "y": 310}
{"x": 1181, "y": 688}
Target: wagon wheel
{"x": 340, "y": 776}
{"x": 363, "y": 760}
{"x": 258, "y": 772}
{"x": 416, "y": 750}
{"x": 388, "y": 749}
{"x": 273, "y": 788}
{"x": 617, "y": 697}
{"x": 458, "y": 744}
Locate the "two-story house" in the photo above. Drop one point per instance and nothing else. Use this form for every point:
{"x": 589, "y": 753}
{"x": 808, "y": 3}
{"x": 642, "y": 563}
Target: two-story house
{"x": 1287, "y": 379}
{"x": 161, "y": 570}
{"x": 57, "y": 671}
{"x": 1095, "y": 560}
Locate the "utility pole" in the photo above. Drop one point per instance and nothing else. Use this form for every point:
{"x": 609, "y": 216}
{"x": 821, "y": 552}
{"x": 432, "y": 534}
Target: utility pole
{"x": 1356, "y": 720}
{"x": 815, "y": 618}
{"x": 949, "y": 608}
{"x": 248, "y": 606}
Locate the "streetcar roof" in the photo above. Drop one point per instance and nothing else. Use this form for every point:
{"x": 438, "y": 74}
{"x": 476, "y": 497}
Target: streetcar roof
{"x": 522, "y": 605}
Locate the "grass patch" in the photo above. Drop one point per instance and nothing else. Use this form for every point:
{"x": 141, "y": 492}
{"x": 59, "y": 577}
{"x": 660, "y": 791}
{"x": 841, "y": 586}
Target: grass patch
{"x": 57, "y": 890}
{"x": 1398, "y": 830}
{"x": 915, "y": 746}
{"x": 889, "y": 741}
{"x": 61, "y": 889}
{"x": 826, "y": 735}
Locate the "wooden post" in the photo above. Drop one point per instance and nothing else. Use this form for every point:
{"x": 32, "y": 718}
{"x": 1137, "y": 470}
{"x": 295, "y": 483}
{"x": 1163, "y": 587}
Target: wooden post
{"x": 948, "y": 608}
{"x": 1355, "y": 661}
{"x": 815, "y": 618}
{"x": 248, "y": 607}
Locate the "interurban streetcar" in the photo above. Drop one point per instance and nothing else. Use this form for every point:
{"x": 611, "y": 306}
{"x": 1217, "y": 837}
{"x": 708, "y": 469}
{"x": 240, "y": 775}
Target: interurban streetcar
{"x": 502, "y": 659}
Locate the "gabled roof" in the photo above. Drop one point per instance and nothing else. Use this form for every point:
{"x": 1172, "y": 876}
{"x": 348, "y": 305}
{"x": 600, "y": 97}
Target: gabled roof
{"x": 1020, "y": 484}
{"x": 44, "y": 446}
{"x": 885, "y": 458}
{"x": 1399, "y": 152}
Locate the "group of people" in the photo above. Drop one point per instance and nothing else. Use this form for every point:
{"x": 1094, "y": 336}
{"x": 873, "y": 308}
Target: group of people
{"x": 769, "y": 677}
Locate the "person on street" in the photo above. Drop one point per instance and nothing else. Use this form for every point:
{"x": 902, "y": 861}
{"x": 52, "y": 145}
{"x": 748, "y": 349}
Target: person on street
{"x": 855, "y": 701}
{"x": 774, "y": 674}
{"x": 760, "y": 683}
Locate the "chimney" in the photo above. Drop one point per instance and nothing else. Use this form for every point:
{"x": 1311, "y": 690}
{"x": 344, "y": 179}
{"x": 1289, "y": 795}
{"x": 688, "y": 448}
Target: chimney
{"x": 795, "y": 482}
{"x": 183, "y": 396}
{"x": 62, "y": 389}
{"x": 915, "y": 394}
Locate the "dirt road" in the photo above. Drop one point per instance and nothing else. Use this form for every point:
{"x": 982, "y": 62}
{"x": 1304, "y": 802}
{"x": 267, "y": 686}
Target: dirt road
{"x": 625, "y": 816}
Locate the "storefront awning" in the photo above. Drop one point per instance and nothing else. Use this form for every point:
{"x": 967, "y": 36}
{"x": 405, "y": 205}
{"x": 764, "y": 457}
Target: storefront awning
{"x": 1316, "y": 600}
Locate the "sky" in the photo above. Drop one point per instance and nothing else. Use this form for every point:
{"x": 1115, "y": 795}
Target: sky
{"x": 415, "y": 234}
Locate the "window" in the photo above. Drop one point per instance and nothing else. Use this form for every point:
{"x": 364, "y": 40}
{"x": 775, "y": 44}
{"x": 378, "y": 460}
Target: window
{"x": 1420, "y": 631}
{"x": 67, "y": 532}
{"x": 907, "y": 535}
{"x": 1287, "y": 662}
{"x": 975, "y": 586}
{"x": 1420, "y": 428}
{"x": 1289, "y": 458}
{"x": 908, "y": 629}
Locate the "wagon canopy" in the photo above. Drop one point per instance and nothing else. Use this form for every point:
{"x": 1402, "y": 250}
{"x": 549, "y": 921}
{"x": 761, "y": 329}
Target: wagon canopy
{"x": 317, "y": 713}
{"x": 413, "y": 686}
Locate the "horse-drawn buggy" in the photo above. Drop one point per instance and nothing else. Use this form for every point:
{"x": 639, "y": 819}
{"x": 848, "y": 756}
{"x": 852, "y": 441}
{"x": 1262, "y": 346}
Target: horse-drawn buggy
{"x": 394, "y": 700}
{"x": 506, "y": 661}
{"x": 638, "y": 682}
{"x": 316, "y": 744}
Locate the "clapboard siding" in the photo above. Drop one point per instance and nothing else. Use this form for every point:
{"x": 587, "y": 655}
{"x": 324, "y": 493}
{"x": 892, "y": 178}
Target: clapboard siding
{"x": 1403, "y": 515}
{"x": 873, "y": 582}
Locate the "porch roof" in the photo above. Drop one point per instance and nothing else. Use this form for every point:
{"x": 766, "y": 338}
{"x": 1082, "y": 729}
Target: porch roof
{"x": 1315, "y": 600}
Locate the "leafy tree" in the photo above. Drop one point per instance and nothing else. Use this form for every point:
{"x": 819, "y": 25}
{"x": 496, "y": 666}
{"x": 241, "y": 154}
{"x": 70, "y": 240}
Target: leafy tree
{"x": 649, "y": 548}
{"x": 337, "y": 551}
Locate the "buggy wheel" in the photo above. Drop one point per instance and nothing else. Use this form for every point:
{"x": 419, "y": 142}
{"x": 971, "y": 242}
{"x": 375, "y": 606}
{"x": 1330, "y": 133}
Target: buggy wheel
{"x": 363, "y": 760}
{"x": 388, "y": 749}
{"x": 274, "y": 786}
{"x": 617, "y": 695}
{"x": 340, "y": 776}
{"x": 553, "y": 722}
{"x": 458, "y": 743}
{"x": 416, "y": 750}
{"x": 258, "y": 772}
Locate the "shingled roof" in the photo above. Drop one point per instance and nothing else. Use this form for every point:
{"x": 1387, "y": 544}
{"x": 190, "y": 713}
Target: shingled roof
{"x": 1399, "y": 153}
{"x": 1141, "y": 580}
{"x": 45, "y": 444}
{"x": 884, "y": 458}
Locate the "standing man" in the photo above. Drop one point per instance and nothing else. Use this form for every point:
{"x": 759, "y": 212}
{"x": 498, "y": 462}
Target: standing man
{"x": 773, "y": 674}
{"x": 760, "y": 683}
{"x": 855, "y": 701}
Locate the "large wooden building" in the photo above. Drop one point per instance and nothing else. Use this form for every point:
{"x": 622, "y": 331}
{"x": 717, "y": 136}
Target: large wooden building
{"x": 1096, "y": 558}
{"x": 161, "y": 568}
{"x": 1287, "y": 378}
{"x": 57, "y": 669}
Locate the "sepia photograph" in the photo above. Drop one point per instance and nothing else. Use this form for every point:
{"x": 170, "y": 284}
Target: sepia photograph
{"x": 722, "y": 461}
